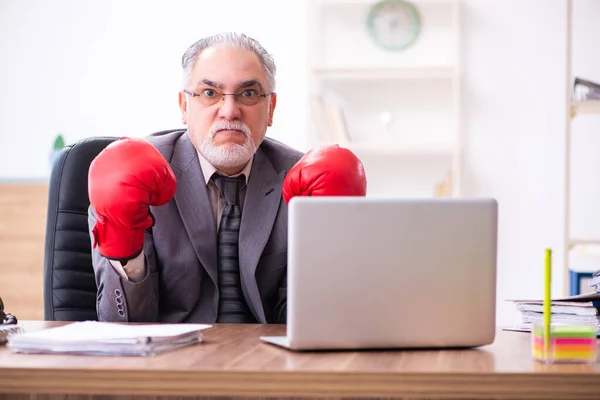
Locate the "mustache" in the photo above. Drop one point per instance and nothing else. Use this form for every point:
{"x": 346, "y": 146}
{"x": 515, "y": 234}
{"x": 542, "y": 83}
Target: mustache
{"x": 230, "y": 126}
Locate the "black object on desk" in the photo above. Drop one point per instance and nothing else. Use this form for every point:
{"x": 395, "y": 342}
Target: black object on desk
{"x": 8, "y": 324}
{"x": 6, "y": 319}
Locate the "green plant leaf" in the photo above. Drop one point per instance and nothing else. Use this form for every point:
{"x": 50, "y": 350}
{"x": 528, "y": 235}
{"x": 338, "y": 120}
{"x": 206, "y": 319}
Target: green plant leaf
{"x": 59, "y": 142}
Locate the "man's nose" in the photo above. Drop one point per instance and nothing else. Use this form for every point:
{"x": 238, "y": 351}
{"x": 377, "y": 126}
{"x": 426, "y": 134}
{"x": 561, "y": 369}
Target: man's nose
{"x": 229, "y": 108}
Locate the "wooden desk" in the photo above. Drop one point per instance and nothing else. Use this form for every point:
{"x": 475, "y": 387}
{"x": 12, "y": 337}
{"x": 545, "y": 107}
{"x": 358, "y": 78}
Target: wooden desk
{"x": 232, "y": 362}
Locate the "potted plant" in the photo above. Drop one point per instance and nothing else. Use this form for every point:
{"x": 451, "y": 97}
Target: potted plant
{"x": 59, "y": 143}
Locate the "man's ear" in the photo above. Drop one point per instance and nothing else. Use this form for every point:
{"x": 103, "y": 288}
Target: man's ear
{"x": 272, "y": 105}
{"x": 183, "y": 106}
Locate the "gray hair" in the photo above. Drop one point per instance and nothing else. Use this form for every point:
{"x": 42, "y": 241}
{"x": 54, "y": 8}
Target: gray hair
{"x": 233, "y": 40}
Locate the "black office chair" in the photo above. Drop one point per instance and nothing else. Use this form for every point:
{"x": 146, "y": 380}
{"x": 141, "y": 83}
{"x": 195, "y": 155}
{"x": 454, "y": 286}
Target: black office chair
{"x": 69, "y": 282}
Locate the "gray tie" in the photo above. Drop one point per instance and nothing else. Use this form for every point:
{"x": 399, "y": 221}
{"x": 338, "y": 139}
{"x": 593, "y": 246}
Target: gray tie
{"x": 232, "y": 306}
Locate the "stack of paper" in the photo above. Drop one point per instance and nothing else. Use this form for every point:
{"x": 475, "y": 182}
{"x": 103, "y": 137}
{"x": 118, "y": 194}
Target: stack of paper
{"x": 101, "y": 338}
{"x": 580, "y": 309}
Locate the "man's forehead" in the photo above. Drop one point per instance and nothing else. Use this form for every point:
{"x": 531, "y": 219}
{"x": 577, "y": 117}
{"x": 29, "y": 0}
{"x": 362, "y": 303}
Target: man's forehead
{"x": 244, "y": 84}
{"x": 228, "y": 66}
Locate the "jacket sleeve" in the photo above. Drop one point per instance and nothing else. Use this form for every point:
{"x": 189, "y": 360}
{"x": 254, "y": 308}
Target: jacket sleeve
{"x": 120, "y": 299}
{"x": 280, "y": 309}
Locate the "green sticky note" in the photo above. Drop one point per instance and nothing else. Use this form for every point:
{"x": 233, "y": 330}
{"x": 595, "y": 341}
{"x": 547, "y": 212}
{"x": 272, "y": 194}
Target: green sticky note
{"x": 569, "y": 331}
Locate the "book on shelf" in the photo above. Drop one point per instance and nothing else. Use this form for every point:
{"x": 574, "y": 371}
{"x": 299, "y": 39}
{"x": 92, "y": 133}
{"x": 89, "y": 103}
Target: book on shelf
{"x": 112, "y": 339}
{"x": 444, "y": 188}
{"x": 585, "y": 89}
{"x": 330, "y": 120}
{"x": 594, "y": 281}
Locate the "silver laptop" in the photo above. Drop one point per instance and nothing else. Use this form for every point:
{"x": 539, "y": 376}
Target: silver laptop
{"x": 369, "y": 273}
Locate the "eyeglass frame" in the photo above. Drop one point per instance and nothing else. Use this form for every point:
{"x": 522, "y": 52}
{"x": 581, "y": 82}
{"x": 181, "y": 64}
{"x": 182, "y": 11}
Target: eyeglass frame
{"x": 235, "y": 95}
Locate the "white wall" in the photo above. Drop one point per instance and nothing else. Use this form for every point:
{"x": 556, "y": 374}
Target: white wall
{"x": 90, "y": 68}
{"x": 585, "y": 195}
{"x": 514, "y": 112}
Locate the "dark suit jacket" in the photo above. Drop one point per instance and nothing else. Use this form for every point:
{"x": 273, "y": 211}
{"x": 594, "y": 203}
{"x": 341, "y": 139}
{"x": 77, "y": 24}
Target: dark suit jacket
{"x": 181, "y": 247}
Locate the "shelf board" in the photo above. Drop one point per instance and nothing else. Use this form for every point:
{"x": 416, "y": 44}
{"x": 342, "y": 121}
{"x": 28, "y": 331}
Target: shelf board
{"x": 583, "y": 258}
{"x": 401, "y": 149}
{"x": 388, "y": 73}
{"x": 585, "y": 107}
{"x": 583, "y": 242}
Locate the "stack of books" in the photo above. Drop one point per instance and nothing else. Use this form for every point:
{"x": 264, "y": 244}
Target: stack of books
{"x": 573, "y": 310}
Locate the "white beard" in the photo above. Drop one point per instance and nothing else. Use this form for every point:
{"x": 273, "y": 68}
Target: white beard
{"x": 228, "y": 155}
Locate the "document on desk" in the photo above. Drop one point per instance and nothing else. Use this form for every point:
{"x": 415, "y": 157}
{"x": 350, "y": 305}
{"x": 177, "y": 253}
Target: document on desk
{"x": 112, "y": 339}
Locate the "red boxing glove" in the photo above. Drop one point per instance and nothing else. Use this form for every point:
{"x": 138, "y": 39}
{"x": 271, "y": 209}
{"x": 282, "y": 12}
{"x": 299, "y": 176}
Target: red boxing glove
{"x": 328, "y": 170}
{"x": 127, "y": 177}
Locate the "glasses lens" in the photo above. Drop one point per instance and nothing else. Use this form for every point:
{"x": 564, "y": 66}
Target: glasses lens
{"x": 209, "y": 97}
{"x": 248, "y": 97}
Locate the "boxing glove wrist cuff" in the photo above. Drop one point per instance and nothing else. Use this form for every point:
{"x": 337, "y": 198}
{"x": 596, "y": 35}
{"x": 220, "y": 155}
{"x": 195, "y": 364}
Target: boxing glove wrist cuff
{"x": 117, "y": 242}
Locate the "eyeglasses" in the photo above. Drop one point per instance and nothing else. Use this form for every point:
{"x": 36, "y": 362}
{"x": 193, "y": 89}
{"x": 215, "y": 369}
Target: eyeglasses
{"x": 247, "y": 97}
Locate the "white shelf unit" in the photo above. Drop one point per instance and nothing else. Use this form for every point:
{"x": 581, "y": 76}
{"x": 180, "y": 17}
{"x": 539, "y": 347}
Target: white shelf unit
{"x": 399, "y": 111}
{"x": 581, "y": 254}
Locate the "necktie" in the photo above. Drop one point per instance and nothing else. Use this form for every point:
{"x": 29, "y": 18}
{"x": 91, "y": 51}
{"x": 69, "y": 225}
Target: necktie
{"x": 232, "y": 306}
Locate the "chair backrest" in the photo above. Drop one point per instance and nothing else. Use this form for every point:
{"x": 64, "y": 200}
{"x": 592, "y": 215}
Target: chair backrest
{"x": 69, "y": 282}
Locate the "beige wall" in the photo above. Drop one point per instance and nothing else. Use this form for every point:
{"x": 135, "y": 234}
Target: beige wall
{"x": 22, "y": 231}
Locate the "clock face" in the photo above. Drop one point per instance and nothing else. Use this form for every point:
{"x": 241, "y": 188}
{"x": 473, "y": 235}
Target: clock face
{"x": 394, "y": 24}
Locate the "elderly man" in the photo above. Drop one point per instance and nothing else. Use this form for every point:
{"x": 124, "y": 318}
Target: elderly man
{"x": 191, "y": 225}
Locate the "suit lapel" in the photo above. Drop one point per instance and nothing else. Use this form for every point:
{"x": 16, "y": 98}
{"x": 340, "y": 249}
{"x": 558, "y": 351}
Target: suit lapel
{"x": 263, "y": 196}
{"x": 194, "y": 205}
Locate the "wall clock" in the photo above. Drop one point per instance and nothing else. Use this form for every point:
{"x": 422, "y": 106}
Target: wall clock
{"x": 394, "y": 24}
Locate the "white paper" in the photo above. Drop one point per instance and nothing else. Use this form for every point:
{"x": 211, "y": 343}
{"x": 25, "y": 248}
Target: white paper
{"x": 91, "y": 337}
{"x": 94, "y": 331}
